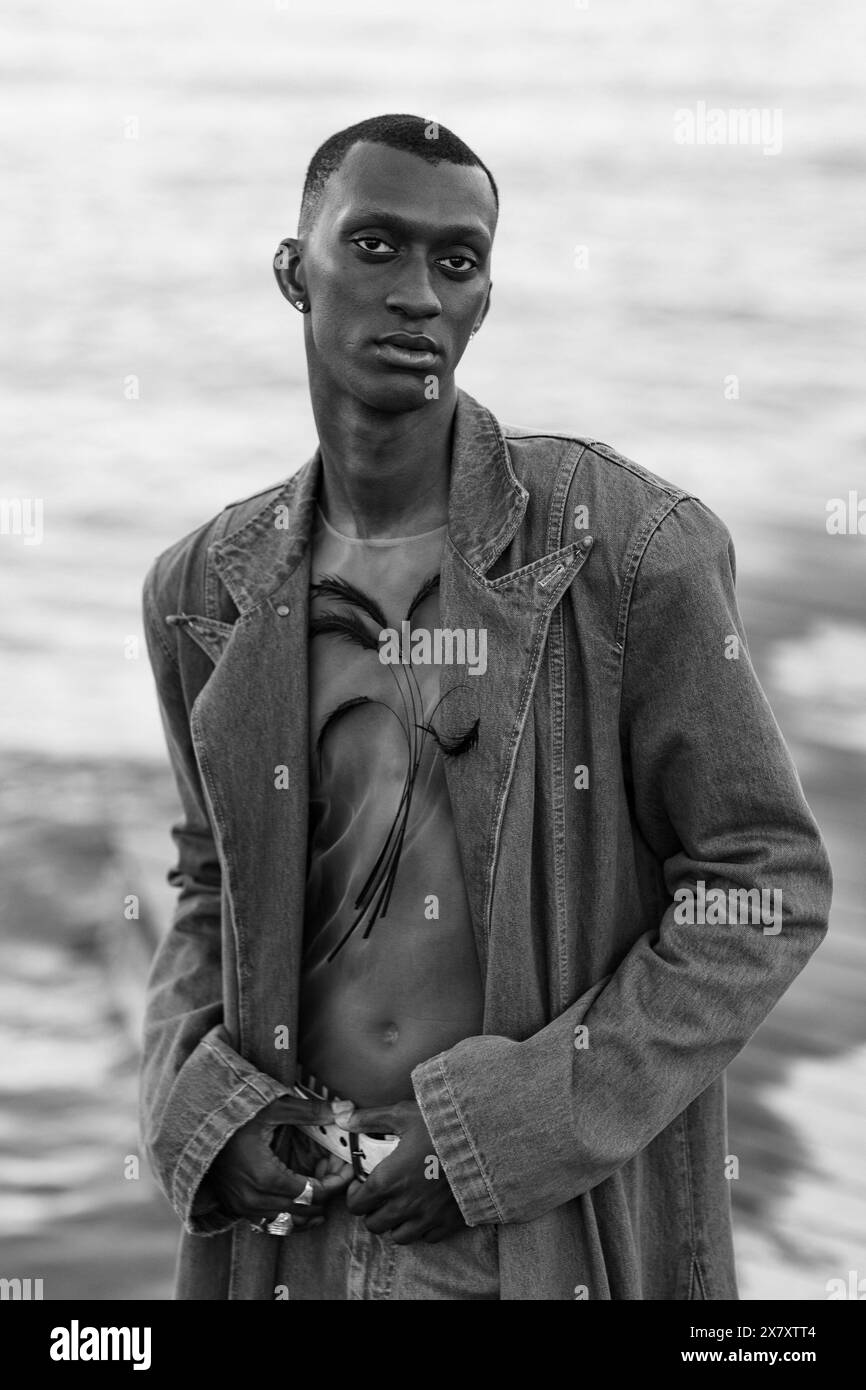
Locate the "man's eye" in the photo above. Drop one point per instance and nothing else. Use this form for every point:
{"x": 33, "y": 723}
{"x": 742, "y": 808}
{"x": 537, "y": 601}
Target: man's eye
{"x": 458, "y": 263}
{"x": 373, "y": 245}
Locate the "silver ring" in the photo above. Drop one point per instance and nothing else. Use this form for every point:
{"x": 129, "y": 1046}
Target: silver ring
{"x": 281, "y": 1225}
{"x": 306, "y": 1197}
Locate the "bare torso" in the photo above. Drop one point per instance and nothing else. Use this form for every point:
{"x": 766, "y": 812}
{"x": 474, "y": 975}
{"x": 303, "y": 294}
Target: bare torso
{"x": 394, "y": 1001}
{"x": 374, "y": 1006}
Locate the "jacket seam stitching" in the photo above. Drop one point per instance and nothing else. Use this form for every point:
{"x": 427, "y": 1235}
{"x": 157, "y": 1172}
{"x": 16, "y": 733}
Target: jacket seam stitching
{"x": 558, "y": 676}
{"x": 470, "y": 1143}
{"x": 193, "y": 1137}
{"x": 635, "y": 561}
{"x": 629, "y": 466}
{"x": 555, "y": 524}
{"x": 640, "y": 548}
{"x": 690, "y": 1196}
{"x": 214, "y": 807}
{"x": 243, "y": 1078}
{"x": 670, "y": 489}
{"x": 501, "y": 793}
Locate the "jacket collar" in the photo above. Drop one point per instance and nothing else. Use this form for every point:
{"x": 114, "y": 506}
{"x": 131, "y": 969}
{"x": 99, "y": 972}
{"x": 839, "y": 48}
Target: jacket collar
{"x": 486, "y": 505}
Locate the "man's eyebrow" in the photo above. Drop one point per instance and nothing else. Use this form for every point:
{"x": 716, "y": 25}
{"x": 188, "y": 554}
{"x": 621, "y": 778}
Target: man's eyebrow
{"x": 380, "y": 217}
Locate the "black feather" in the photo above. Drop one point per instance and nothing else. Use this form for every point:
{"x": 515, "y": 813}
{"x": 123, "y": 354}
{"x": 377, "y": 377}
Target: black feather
{"x": 339, "y": 710}
{"x": 424, "y": 592}
{"x": 452, "y": 746}
{"x": 337, "y": 713}
{"x": 346, "y": 625}
{"x": 332, "y": 586}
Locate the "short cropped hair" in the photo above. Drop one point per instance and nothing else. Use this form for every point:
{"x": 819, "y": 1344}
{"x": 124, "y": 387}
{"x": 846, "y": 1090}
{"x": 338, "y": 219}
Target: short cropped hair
{"x": 413, "y": 134}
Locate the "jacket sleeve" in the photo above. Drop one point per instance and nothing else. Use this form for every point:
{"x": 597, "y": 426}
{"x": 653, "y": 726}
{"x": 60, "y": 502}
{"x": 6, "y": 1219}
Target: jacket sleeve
{"x": 196, "y": 1090}
{"x": 521, "y": 1127}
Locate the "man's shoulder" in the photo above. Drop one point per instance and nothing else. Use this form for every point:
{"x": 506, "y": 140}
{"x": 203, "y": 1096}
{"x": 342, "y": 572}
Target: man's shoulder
{"x": 619, "y": 501}
{"x": 541, "y": 451}
{"x": 179, "y": 563}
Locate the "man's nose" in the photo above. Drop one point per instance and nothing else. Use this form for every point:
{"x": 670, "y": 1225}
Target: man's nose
{"x": 412, "y": 294}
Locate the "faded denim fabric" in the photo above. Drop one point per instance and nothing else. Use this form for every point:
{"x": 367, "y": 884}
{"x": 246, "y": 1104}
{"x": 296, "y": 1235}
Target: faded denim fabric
{"x": 343, "y": 1261}
{"x": 599, "y": 1155}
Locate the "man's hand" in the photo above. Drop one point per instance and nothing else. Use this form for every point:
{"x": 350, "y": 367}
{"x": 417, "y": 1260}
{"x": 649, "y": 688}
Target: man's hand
{"x": 407, "y": 1194}
{"x": 251, "y": 1182}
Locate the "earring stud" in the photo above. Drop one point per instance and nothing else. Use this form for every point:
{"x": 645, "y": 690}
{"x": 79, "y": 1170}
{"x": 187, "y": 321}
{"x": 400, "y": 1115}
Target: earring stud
{"x": 300, "y": 305}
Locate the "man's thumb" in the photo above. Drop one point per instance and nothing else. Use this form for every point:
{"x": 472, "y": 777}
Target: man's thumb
{"x": 383, "y": 1119}
{"x": 288, "y": 1110}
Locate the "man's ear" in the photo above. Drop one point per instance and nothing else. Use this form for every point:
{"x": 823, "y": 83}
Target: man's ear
{"x": 287, "y": 270}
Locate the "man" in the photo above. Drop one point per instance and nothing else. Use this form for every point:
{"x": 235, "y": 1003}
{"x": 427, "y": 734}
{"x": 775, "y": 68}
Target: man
{"x": 492, "y": 855}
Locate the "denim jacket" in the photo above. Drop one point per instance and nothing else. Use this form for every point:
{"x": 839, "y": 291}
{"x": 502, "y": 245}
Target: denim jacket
{"x": 626, "y": 753}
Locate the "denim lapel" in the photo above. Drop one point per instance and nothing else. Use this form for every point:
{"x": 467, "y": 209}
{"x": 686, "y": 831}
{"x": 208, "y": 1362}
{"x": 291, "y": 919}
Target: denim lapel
{"x": 487, "y": 508}
{"x": 249, "y": 726}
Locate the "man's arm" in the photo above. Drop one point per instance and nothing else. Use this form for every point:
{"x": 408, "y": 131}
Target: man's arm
{"x": 521, "y": 1127}
{"x": 196, "y": 1090}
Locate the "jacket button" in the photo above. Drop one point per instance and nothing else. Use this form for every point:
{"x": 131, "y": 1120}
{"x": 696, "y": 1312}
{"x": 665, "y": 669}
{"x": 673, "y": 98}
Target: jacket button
{"x": 283, "y": 609}
{"x": 586, "y": 542}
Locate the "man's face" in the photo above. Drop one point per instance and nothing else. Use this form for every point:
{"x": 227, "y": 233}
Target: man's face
{"x": 396, "y": 270}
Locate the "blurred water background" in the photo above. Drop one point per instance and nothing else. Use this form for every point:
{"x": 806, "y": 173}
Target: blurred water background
{"x": 152, "y": 158}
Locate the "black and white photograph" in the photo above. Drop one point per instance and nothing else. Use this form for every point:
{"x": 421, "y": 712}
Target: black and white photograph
{"x": 433, "y": 545}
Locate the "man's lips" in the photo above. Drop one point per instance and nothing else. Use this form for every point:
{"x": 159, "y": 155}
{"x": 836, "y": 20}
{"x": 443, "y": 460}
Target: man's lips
{"x": 418, "y": 341}
{"x": 408, "y": 350}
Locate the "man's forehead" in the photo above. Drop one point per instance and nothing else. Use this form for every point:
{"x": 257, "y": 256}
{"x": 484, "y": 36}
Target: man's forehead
{"x": 377, "y": 177}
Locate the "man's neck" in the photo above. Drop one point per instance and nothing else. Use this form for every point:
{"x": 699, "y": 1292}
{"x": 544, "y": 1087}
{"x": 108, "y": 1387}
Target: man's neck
{"x": 383, "y": 474}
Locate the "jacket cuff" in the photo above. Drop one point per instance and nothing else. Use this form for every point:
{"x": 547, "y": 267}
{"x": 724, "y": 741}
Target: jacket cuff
{"x": 453, "y": 1143}
{"x": 217, "y": 1085}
